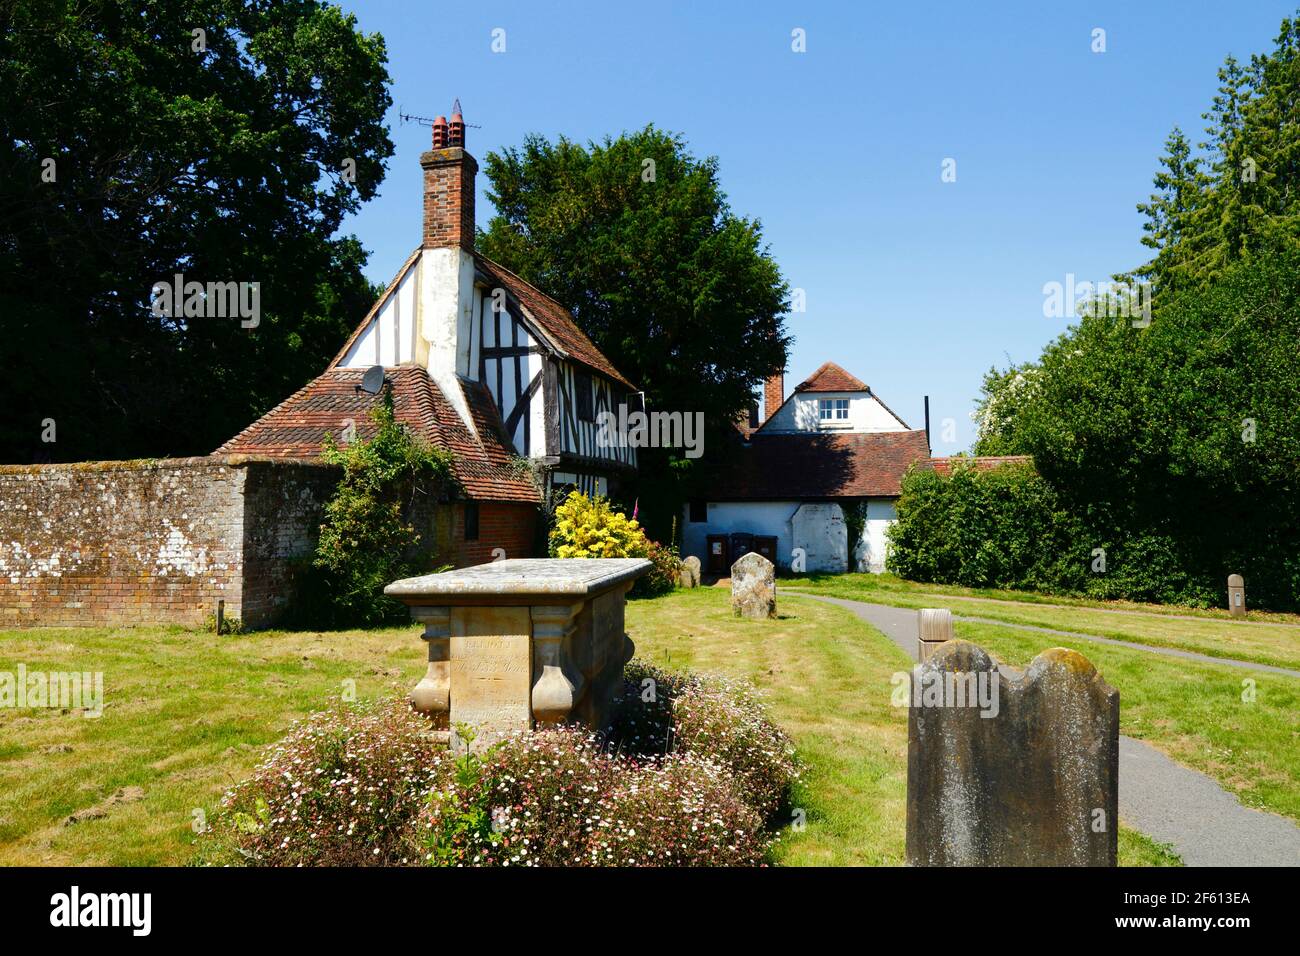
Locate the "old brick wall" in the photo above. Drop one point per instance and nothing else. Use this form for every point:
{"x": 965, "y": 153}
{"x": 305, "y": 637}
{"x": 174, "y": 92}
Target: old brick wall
{"x": 119, "y": 542}
{"x": 154, "y": 542}
{"x": 283, "y": 504}
{"x": 511, "y": 527}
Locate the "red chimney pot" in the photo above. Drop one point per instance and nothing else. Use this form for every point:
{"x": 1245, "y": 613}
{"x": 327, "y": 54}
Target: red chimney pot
{"x": 440, "y": 132}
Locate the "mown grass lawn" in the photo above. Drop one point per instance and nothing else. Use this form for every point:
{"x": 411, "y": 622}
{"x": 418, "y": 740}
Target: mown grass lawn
{"x": 1193, "y": 712}
{"x": 827, "y": 678}
{"x": 186, "y": 714}
{"x": 1263, "y": 638}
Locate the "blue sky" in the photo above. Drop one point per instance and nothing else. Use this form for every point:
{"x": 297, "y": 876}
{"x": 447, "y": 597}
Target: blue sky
{"x": 915, "y": 285}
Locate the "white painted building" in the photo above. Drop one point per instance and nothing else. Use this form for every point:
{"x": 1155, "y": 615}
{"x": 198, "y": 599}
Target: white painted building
{"x": 828, "y": 457}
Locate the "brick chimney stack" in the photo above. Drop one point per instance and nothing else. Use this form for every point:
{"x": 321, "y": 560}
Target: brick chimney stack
{"x": 773, "y": 394}
{"x": 449, "y": 186}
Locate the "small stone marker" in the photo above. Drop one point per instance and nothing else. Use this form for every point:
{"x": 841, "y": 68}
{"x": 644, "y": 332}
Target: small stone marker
{"x": 1006, "y": 768}
{"x": 690, "y": 573}
{"x": 1236, "y": 595}
{"x": 753, "y": 587}
{"x": 521, "y": 642}
{"x": 933, "y": 627}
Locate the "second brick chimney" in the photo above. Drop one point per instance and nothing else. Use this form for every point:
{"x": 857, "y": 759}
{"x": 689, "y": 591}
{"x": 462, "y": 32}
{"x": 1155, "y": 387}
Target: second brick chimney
{"x": 449, "y": 187}
{"x": 773, "y": 394}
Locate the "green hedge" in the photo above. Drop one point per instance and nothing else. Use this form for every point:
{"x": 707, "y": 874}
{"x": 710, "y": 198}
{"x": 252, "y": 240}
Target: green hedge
{"x": 1008, "y": 528}
{"x": 1175, "y": 446}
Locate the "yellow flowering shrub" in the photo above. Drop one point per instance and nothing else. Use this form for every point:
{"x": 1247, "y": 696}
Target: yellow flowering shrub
{"x": 588, "y": 527}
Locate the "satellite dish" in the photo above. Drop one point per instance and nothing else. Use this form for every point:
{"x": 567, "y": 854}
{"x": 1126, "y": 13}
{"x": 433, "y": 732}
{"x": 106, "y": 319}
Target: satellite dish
{"x": 373, "y": 381}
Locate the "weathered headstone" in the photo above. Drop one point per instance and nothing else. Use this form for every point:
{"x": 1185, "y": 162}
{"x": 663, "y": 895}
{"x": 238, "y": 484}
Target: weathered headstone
{"x": 753, "y": 586}
{"x": 933, "y": 627}
{"x": 1009, "y": 768}
{"x": 518, "y": 643}
{"x": 690, "y": 573}
{"x": 1236, "y": 595}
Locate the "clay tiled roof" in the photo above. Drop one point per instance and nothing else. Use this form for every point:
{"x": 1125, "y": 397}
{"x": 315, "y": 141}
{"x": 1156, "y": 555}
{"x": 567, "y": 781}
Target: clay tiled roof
{"x": 831, "y": 378}
{"x": 944, "y": 466}
{"x": 803, "y": 466}
{"x": 555, "y": 321}
{"x": 296, "y": 428}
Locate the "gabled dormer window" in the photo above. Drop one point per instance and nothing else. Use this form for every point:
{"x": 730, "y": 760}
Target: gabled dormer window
{"x": 833, "y": 409}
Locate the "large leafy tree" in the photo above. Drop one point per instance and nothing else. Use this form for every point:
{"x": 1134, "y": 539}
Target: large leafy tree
{"x": 1178, "y": 445}
{"x": 1176, "y": 448}
{"x": 634, "y": 235}
{"x": 220, "y": 139}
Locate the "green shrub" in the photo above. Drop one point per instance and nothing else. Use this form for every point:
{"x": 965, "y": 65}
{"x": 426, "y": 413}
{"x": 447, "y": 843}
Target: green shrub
{"x": 590, "y": 527}
{"x": 665, "y": 574}
{"x": 1000, "y": 528}
{"x": 1008, "y": 528}
{"x": 683, "y": 811}
{"x": 712, "y": 717}
{"x": 367, "y": 540}
{"x": 529, "y": 801}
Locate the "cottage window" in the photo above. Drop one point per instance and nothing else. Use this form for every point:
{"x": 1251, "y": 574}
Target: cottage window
{"x": 833, "y": 409}
{"x": 582, "y": 389}
{"x": 699, "y": 512}
{"x": 471, "y": 521}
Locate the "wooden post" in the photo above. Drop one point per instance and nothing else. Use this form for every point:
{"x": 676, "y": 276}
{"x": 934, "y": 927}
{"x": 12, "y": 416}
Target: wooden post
{"x": 221, "y": 616}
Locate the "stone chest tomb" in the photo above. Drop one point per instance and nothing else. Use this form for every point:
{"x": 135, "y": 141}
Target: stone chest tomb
{"x": 520, "y": 643}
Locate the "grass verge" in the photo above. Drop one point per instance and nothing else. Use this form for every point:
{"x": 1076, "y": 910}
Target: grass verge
{"x": 826, "y": 677}
{"x": 1264, "y": 641}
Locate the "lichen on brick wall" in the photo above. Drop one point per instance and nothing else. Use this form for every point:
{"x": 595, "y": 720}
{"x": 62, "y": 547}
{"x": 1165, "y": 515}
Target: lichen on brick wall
{"x": 162, "y": 541}
{"x": 143, "y": 541}
{"x": 283, "y": 505}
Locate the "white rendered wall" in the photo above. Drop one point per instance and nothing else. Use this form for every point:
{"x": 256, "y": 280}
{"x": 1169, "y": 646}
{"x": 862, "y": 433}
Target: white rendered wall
{"x": 754, "y": 517}
{"x": 389, "y": 338}
{"x": 866, "y": 414}
{"x": 774, "y": 518}
{"x": 870, "y": 556}
{"x": 446, "y": 311}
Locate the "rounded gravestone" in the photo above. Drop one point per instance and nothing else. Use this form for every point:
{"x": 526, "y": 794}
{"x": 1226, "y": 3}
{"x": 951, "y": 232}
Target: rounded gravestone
{"x": 753, "y": 587}
{"x": 690, "y": 573}
{"x": 1236, "y": 595}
